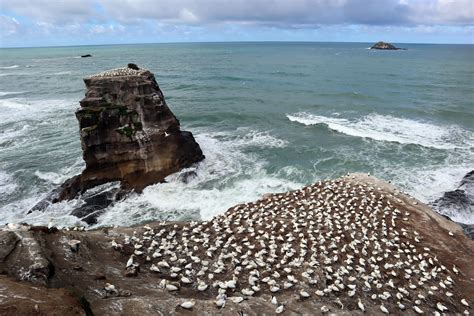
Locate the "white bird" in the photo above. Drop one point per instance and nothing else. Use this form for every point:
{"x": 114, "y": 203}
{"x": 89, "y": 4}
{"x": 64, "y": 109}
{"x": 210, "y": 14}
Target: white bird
{"x": 417, "y": 309}
{"x": 384, "y": 309}
{"x": 110, "y": 288}
{"x": 220, "y": 302}
{"x": 202, "y": 287}
{"x": 50, "y": 223}
{"x": 304, "y": 294}
{"x": 171, "y": 287}
{"x": 274, "y": 300}
{"x": 361, "y": 306}
{"x": 441, "y": 307}
{"x": 455, "y": 270}
{"x": 188, "y": 304}
{"x": 279, "y": 309}
{"x": 236, "y": 299}
{"x": 167, "y": 134}
{"x": 464, "y": 302}
{"x": 154, "y": 268}
{"x": 130, "y": 261}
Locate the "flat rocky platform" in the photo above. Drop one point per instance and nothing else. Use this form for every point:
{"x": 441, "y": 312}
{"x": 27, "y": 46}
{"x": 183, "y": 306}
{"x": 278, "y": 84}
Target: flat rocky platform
{"x": 339, "y": 246}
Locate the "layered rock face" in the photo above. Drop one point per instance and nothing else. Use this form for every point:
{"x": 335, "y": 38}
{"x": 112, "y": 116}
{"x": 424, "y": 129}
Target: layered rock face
{"x": 128, "y": 134}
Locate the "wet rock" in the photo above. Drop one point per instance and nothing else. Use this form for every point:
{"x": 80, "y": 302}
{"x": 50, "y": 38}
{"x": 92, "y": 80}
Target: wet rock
{"x": 95, "y": 203}
{"x": 458, "y": 202}
{"x": 187, "y": 176}
{"x": 87, "y": 55}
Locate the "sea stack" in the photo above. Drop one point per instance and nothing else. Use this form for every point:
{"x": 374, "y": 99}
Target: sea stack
{"x": 128, "y": 134}
{"x": 384, "y": 46}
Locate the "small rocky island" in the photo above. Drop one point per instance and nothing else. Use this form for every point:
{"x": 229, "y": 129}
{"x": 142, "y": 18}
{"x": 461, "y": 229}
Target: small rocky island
{"x": 128, "y": 134}
{"x": 350, "y": 246}
{"x": 385, "y": 46}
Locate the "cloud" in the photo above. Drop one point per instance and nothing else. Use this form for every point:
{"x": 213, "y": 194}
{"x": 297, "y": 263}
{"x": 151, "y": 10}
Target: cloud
{"x": 266, "y": 12}
{"x": 123, "y": 17}
{"x": 9, "y": 25}
{"x": 52, "y": 11}
{"x": 296, "y": 12}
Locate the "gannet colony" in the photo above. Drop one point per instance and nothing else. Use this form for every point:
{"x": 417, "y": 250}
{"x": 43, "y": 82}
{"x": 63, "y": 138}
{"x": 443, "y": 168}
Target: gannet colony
{"x": 354, "y": 245}
{"x": 339, "y": 242}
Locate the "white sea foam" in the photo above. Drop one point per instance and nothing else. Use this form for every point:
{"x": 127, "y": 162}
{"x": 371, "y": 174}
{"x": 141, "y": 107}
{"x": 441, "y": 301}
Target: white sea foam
{"x": 261, "y": 139}
{"x": 7, "y": 184}
{"x": 429, "y": 184}
{"x": 393, "y": 129}
{"x": 10, "y": 67}
{"x": 226, "y": 177}
{"x": 18, "y": 109}
{"x": 13, "y": 104}
{"x": 65, "y": 173}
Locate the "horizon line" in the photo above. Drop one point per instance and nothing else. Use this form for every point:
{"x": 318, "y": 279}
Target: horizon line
{"x": 217, "y": 42}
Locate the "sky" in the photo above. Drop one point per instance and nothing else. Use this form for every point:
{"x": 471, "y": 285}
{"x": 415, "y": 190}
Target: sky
{"x": 26, "y": 23}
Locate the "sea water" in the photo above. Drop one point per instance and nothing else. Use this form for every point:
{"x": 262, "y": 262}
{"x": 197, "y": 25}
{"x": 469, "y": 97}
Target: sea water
{"x": 269, "y": 117}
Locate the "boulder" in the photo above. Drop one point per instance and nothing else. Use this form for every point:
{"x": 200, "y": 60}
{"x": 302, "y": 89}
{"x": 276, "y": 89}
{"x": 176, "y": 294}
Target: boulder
{"x": 128, "y": 134}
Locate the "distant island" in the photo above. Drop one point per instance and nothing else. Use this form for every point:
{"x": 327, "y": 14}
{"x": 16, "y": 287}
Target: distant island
{"x": 385, "y": 46}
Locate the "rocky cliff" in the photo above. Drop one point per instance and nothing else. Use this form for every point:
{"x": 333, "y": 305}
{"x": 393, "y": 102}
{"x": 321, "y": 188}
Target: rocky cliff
{"x": 341, "y": 246}
{"x": 128, "y": 134}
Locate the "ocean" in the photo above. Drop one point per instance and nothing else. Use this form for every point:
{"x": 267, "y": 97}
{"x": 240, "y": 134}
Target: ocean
{"x": 269, "y": 117}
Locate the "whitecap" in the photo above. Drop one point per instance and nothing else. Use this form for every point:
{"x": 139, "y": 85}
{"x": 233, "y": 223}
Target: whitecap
{"x": 393, "y": 129}
{"x": 61, "y": 73}
{"x": 5, "y": 93}
{"x": 10, "y": 67}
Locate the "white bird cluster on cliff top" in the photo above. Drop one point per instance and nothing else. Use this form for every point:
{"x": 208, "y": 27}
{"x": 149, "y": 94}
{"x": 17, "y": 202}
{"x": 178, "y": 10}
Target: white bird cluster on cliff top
{"x": 119, "y": 72}
{"x": 334, "y": 241}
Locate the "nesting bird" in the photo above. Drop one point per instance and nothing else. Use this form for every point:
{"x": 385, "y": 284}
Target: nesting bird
{"x": 338, "y": 241}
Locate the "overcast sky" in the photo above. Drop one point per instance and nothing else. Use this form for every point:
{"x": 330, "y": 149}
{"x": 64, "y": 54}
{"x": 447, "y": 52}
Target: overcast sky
{"x": 79, "y": 22}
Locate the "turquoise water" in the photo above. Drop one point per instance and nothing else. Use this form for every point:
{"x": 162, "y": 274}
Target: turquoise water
{"x": 268, "y": 116}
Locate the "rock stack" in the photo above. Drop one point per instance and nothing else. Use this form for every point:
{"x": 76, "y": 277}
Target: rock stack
{"x": 128, "y": 134}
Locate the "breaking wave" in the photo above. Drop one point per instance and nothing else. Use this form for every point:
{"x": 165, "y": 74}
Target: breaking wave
{"x": 393, "y": 129}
